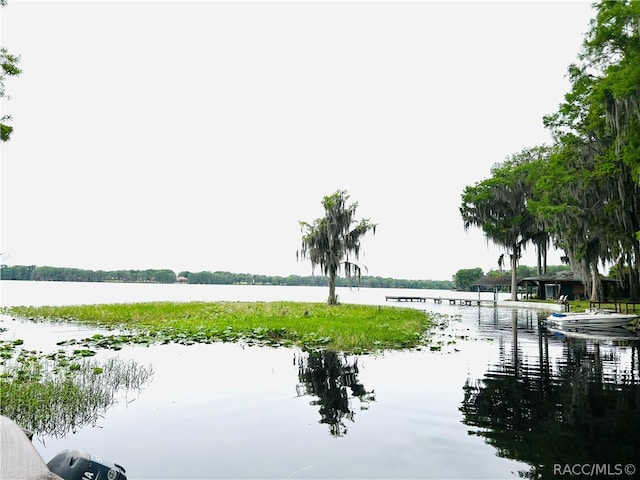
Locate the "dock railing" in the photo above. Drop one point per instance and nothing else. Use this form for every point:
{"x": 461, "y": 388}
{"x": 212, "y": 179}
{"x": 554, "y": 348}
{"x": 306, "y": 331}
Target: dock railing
{"x": 619, "y": 307}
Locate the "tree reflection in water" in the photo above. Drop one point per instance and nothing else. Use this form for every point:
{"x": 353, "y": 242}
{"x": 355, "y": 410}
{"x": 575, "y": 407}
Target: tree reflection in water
{"x": 333, "y": 378}
{"x": 586, "y": 410}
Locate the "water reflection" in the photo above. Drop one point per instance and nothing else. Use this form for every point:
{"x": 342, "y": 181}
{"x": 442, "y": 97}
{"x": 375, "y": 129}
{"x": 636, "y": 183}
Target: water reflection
{"x": 333, "y": 379}
{"x": 579, "y": 406}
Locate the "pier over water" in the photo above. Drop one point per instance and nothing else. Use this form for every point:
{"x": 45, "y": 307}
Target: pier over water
{"x": 478, "y": 302}
{"x": 452, "y": 301}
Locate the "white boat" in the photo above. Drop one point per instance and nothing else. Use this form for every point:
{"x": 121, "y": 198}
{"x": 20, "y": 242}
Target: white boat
{"x": 591, "y": 318}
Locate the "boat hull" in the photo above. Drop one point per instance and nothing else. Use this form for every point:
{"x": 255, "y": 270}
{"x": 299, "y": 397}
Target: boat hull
{"x": 596, "y": 319}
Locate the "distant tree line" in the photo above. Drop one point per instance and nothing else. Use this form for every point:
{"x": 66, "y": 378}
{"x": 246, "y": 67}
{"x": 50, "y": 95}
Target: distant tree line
{"x": 63, "y": 274}
{"x": 228, "y": 278}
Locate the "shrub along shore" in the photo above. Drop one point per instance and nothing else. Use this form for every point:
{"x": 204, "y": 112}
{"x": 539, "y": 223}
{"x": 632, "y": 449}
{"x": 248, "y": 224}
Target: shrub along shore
{"x": 347, "y": 328}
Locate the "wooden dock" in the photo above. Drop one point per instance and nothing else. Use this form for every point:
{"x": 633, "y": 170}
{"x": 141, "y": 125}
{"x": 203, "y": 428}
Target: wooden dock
{"x": 552, "y": 306}
{"x": 452, "y": 301}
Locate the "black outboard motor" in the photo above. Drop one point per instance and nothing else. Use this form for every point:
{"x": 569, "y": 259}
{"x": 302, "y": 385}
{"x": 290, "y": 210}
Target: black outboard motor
{"x": 79, "y": 465}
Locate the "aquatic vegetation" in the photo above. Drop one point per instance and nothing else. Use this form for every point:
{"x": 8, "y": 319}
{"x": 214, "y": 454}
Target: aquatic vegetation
{"x": 52, "y": 394}
{"x": 311, "y": 326}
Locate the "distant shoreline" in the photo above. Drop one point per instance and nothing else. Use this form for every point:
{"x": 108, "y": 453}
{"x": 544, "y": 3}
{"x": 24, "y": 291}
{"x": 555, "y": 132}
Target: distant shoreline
{"x": 62, "y": 274}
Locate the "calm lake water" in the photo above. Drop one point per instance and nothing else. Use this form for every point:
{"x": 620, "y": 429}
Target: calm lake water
{"x": 503, "y": 398}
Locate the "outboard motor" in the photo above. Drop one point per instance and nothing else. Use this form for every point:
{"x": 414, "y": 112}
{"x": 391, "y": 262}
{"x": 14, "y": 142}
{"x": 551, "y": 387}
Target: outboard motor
{"x": 79, "y": 465}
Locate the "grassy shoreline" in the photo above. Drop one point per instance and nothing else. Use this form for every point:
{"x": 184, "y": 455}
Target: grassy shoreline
{"x": 347, "y": 327}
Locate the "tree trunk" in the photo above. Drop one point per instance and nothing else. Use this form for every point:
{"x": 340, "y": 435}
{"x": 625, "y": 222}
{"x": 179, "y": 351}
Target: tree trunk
{"x": 514, "y": 273}
{"x": 596, "y": 284}
{"x": 634, "y": 280}
{"x": 542, "y": 250}
{"x": 333, "y": 300}
{"x": 634, "y": 288}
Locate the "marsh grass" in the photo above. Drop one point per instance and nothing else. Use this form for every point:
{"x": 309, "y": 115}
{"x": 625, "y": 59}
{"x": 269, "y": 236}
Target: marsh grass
{"x": 347, "y": 328}
{"x": 52, "y": 394}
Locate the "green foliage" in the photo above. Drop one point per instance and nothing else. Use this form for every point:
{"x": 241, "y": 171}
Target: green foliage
{"x": 347, "y": 328}
{"x": 32, "y": 272}
{"x": 228, "y": 278}
{"x": 499, "y": 205}
{"x": 16, "y": 272}
{"x": 465, "y": 278}
{"x": 581, "y": 194}
{"x": 525, "y": 271}
{"x": 8, "y": 68}
{"x": 63, "y": 274}
{"x": 589, "y": 193}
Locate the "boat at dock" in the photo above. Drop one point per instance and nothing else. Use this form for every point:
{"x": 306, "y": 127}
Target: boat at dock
{"x": 591, "y": 318}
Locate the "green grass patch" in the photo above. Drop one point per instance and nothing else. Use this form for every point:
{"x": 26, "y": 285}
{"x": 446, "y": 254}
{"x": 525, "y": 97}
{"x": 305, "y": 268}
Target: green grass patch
{"x": 346, "y": 328}
{"x": 55, "y": 393}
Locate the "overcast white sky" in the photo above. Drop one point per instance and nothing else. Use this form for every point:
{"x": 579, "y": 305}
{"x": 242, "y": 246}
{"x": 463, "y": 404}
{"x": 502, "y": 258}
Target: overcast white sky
{"x": 195, "y": 135}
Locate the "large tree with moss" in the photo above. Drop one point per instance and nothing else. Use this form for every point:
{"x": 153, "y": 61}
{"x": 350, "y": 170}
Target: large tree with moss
{"x": 584, "y": 192}
{"x": 332, "y": 241}
{"x": 595, "y": 177}
{"x": 499, "y": 206}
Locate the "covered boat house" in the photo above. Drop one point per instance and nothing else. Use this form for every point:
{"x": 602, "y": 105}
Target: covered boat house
{"x": 493, "y": 283}
{"x": 551, "y": 286}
